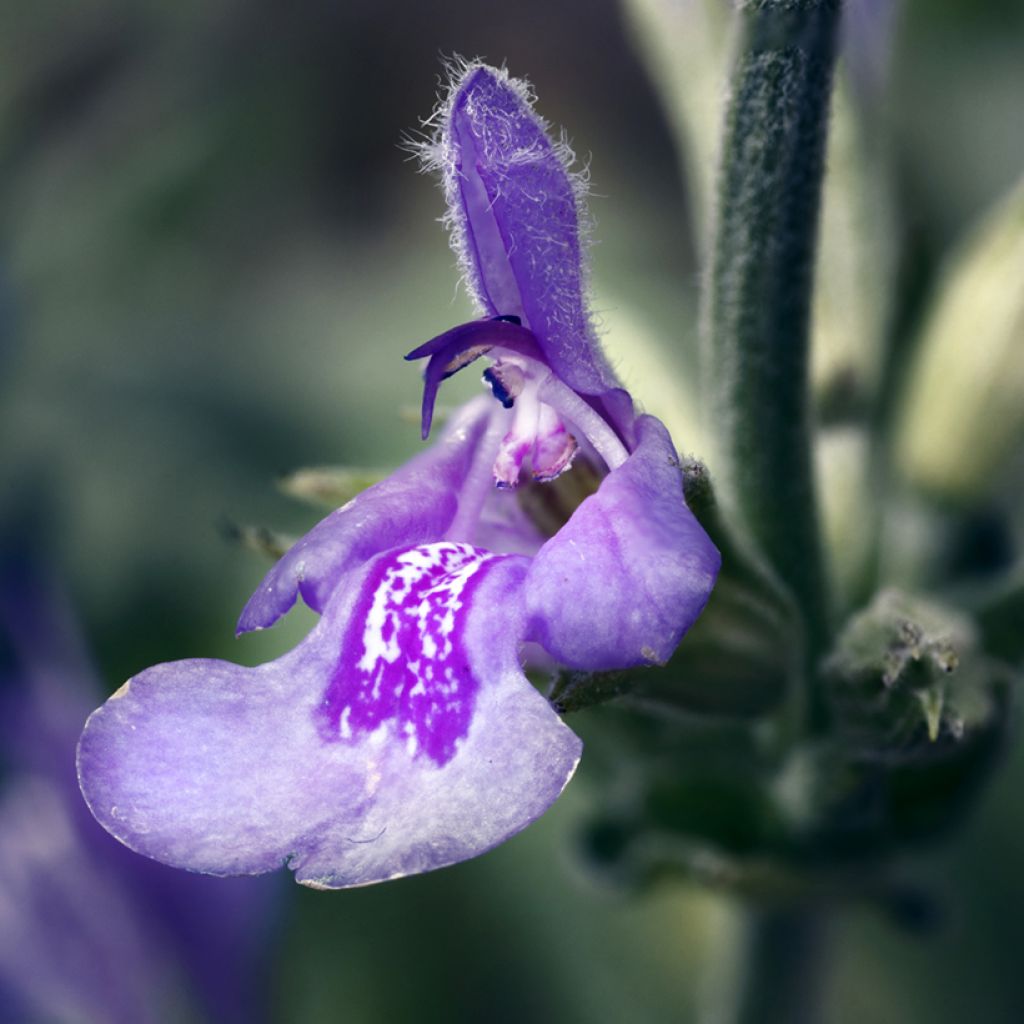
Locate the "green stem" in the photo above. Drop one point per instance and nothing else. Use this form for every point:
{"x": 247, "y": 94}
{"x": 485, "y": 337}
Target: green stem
{"x": 758, "y": 297}
{"x": 781, "y": 969}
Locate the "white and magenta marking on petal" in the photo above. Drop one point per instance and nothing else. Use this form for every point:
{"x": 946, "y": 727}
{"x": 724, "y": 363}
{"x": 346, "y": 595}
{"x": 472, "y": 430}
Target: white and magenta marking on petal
{"x": 403, "y": 663}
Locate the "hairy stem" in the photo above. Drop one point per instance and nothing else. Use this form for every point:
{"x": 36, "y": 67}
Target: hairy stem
{"x": 756, "y": 356}
{"x": 758, "y": 294}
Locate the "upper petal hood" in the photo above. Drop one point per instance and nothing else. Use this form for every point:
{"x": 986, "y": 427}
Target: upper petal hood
{"x": 318, "y": 760}
{"x": 630, "y": 572}
{"x": 515, "y": 216}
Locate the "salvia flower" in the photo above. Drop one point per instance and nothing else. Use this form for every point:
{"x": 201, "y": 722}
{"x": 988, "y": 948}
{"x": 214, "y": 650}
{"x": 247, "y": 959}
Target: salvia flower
{"x": 402, "y": 735}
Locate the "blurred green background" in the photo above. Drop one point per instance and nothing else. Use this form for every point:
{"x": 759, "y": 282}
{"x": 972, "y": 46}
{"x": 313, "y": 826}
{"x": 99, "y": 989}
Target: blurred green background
{"x": 213, "y": 254}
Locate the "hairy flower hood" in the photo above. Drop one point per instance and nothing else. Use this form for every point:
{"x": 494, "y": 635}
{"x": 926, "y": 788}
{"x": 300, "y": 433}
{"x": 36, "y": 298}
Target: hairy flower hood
{"x": 402, "y": 735}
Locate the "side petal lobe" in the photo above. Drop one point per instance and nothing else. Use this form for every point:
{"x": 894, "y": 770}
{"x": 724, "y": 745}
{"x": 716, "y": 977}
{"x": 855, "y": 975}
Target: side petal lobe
{"x": 638, "y": 565}
{"x": 414, "y": 505}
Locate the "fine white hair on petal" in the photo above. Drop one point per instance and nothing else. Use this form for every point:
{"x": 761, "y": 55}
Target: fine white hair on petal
{"x": 435, "y": 154}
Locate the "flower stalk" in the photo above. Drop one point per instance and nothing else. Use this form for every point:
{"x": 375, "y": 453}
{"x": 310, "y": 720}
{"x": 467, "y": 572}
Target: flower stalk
{"x": 758, "y": 294}
{"x": 756, "y": 357}
{"x": 780, "y": 971}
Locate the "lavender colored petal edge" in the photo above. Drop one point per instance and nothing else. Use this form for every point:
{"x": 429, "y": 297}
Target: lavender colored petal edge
{"x": 222, "y": 769}
{"x": 638, "y": 564}
{"x": 416, "y": 504}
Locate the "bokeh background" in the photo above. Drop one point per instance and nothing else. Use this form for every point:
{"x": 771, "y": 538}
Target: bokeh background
{"x": 214, "y": 252}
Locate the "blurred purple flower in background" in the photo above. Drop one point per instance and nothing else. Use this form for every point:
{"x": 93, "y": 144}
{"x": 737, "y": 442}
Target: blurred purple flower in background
{"x": 402, "y": 734}
{"x": 88, "y": 931}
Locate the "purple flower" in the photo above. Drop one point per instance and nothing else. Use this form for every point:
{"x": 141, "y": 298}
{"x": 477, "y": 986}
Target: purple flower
{"x": 402, "y": 735}
{"x": 88, "y": 931}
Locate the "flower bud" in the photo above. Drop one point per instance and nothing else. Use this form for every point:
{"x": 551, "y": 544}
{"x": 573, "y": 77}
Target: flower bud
{"x": 907, "y": 682}
{"x": 962, "y": 416}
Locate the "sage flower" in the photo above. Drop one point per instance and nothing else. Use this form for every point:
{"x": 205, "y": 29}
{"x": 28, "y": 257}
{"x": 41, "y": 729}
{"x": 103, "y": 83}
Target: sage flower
{"x": 402, "y": 734}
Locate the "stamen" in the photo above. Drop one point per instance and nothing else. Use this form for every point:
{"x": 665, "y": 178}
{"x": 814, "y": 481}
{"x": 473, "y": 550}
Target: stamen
{"x": 517, "y": 445}
{"x": 464, "y": 358}
{"x": 506, "y": 381}
{"x": 537, "y": 439}
{"x": 458, "y": 347}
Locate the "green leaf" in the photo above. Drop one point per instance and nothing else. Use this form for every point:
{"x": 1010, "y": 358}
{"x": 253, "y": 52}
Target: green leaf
{"x": 329, "y": 486}
{"x": 260, "y": 539}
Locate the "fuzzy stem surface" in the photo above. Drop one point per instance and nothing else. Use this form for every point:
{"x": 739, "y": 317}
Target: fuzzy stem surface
{"x": 758, "y": 293}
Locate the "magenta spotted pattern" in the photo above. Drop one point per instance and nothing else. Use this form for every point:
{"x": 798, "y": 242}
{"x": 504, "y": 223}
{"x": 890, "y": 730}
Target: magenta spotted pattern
{"x": 403, "y": 662}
